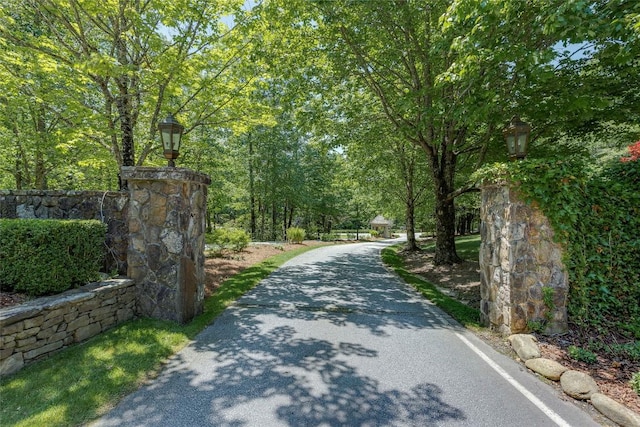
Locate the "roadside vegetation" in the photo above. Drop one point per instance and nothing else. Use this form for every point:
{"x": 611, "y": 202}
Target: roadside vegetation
{"x": 594, "y": 209}
{"x": 467, "y": 247}
{"x": 614, "y": 360}
{"x": 83, "y": 382}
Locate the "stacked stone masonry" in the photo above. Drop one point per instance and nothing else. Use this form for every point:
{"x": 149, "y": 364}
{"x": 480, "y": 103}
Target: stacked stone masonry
{"x": 110, "y": 207}
{"x": 518, "y": 260}
{"x": 155, "y": 235}
{"x": 166, "y": 243}
{"x": 36, "y": 329}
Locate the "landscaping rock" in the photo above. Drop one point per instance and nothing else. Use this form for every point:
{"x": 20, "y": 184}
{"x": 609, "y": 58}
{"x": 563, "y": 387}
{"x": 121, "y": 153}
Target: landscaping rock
{"x": 11, "y": 364}
{"x": 547, "y": 368}
{"x": 525, "y": 345}
{"x": 578, "y": 385}
{"x": 615, "y": 411}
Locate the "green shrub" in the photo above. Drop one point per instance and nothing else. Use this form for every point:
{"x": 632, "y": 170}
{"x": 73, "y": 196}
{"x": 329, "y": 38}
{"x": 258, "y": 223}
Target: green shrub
{"x": 536, "y": 325}
{"x": 295, "y": 234}
{"x": 635, "y": 382}
{"x": 328, "y": 237}
{"x": 229, "y": 238}
{"x": 582, "y": 355}
{"x": 374, "y": 233}
{"x": 628, "y": 350}
{"x": 40, "y": 257}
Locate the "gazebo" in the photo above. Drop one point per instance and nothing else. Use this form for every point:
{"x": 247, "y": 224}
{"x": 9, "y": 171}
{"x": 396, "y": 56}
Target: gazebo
{"x": 382, "y": 225}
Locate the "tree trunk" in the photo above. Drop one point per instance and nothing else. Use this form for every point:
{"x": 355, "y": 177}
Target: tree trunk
{"x": 290, "y": 217}
{"x": 126, "y": 92}
{"x": 410, "y": 206}
{"x": 443, "y": 173}
{"x": 284, "y": 221}
{"x": 274, "y": 220}
{"x": 262, "y": 210}
{"x": 209, "y": 220}
{"x": 412, "y": 244}
{"x": 126, "y": 127}
{"x": 40, "y": 170}
{"x": 445, "y": 233}
{"x": 252, "y": 193}
{"x": 18, "y": 174}
{"x": 357, "y": 221}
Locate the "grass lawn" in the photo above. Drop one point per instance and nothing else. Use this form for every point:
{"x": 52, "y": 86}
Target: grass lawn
{"x": 467, "y": 248}
{"x": 84, "y": 381}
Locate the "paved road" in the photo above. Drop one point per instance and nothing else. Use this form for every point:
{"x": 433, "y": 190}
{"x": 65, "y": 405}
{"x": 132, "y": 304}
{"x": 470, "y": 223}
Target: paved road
{"x": 333, "y": 339}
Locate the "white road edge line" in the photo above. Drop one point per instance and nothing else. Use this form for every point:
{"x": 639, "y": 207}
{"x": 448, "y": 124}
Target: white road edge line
{"x": 533, "y": 399}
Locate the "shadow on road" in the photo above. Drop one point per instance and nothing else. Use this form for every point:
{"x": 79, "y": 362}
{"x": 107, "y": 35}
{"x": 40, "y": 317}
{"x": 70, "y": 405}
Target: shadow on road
{"x": 302, "y": 349}
{"x": 334, "y": 286}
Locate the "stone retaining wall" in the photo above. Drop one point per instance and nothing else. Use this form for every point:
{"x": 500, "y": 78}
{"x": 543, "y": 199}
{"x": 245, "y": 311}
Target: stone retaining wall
{"x": 110, "y": 207}
{"x": 34, "y": 330}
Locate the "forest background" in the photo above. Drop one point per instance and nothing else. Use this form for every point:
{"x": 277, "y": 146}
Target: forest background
{"x": 317, "y": 114}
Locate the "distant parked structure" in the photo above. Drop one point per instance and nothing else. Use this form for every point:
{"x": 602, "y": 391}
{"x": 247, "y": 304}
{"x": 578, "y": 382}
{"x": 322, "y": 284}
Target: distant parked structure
{"x": 382, "y": 226}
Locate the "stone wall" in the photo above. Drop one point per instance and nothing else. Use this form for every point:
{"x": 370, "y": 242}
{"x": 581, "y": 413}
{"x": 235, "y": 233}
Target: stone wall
{"x": 518, "y": 260}
{"x": 110, "y": 207}
{"x": 34, "y": 330}
{"x": 166, "y": 244}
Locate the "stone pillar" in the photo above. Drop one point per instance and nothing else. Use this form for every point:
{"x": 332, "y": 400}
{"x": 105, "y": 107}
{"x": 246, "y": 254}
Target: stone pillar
{"x": 167, "y": 212}
{"x": 519, "y": 264}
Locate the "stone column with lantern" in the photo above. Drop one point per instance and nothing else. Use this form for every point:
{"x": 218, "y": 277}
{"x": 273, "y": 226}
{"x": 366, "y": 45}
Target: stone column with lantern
{"x": 524, "y": 284}
{"x": 167, "y": 213}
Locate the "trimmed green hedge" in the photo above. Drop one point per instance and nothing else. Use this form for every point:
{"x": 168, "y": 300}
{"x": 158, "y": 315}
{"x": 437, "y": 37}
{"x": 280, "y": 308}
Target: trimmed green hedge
{"x": 42, "y": 257}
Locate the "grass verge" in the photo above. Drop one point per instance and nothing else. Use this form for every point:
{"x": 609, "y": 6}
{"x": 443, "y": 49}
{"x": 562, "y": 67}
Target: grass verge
{"x": 467, "y": 316}
{"x": 467, "y": 247}
{"x": 84, "y": 381}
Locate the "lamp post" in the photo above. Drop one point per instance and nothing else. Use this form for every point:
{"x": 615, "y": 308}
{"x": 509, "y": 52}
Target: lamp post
{"x": 516, "y": 136}
{"x": 170, "y": 134}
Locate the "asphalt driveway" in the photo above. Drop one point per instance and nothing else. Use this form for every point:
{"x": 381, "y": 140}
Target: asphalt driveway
{"x": 334, "y": 339}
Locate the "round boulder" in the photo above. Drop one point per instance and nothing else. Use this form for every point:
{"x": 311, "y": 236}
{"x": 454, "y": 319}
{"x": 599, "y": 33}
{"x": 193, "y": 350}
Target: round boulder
{"x": 578, "y": 385}
{"x": 615, "y": 411}
{"x": 525, "y": 345}
{"x": 547, "y": 368}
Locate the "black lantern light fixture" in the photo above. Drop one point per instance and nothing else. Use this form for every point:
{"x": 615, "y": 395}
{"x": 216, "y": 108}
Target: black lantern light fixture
{"x": 170, "y": 134}
{"x": 517, "y": 138}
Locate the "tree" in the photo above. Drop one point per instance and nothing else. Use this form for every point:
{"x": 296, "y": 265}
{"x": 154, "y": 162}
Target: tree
{"x": 128, "y": 60}
{"x": 591, "y": 89}
{"x": 447, "y": 75}
{"x": 388, "y": 168}
{"x": 400, "y": 52}
{"x": 290, "y": 179}
{"x": 38, "y": 115}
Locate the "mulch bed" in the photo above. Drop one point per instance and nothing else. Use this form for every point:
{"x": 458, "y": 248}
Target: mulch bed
{"x": 612, "y": 373}
{"x": 8, "y": 299}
